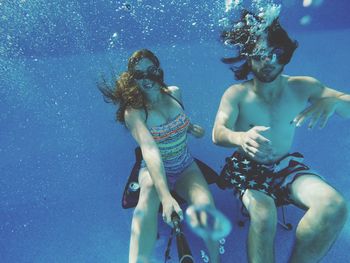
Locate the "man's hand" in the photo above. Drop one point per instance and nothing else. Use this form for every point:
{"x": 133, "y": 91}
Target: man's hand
{"x": 255, "y": 145}
{"x": 319, "y": 111}
{"x": 196, "y": 130}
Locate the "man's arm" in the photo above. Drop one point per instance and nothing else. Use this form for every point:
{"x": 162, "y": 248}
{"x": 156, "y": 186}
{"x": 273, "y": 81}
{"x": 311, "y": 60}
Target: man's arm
{"x": 324, "y": 103}
{"x": 342, "y": 100}
{"x": 226, "y": 118}
{"x": 252, "y": 142}
{"x": 343, "y": 108}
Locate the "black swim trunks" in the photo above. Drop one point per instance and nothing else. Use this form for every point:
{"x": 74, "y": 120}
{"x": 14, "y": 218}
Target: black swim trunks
{"x": 242, "y": 173}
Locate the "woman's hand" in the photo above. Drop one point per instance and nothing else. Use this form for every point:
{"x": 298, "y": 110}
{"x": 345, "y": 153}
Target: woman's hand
{"x": 196, "y": 130}
{"x": 319, "y": 111}
{"x": 169, "y": 206}
{"x": 255, "y": 145}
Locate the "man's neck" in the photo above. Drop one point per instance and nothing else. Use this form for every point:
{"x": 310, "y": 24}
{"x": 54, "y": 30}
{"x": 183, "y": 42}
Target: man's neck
{"x": 269, "y": 91}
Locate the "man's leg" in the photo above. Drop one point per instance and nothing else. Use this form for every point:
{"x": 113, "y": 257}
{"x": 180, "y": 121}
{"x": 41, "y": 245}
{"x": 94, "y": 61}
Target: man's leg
{"x": 262, "y": 229}
{"x": 325, "y": 217}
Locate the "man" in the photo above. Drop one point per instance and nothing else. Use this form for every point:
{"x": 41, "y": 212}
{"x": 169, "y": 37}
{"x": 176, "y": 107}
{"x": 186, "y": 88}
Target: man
{"x": 258, "y": 117}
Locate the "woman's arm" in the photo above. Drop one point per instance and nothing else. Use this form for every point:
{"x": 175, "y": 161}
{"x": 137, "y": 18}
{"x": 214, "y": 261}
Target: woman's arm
{"x": 150, "y": 152}
{"x": 151, "y": 155}
{"x": 196, "y": 130}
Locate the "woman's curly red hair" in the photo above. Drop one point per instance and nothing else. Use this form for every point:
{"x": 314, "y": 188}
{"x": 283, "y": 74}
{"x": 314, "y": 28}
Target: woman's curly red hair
{"x": 126, "y": 92}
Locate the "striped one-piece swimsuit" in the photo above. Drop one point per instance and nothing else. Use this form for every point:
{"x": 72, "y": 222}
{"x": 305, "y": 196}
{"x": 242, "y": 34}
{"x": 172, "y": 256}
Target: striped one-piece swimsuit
{"x": 171, "y": 138}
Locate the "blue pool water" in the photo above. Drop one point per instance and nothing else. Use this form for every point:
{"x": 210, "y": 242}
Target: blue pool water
{"x": 64, "y": 160}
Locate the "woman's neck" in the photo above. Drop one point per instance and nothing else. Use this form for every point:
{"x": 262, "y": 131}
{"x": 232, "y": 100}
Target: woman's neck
{"x": 155, "y": 96}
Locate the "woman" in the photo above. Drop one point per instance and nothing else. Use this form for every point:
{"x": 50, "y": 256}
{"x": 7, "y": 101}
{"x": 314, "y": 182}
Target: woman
{"x": 154, "y": 114}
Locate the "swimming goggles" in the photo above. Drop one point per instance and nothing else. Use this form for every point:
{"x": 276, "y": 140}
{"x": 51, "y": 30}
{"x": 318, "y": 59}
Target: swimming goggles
{"x": 151, "y": 72}
{"x": 275, "y": 55}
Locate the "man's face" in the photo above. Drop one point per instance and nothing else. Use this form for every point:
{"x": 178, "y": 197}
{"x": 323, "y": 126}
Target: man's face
{"x": 266, "y": 67}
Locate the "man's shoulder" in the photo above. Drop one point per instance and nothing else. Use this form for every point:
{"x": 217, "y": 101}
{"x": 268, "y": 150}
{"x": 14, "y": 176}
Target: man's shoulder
{"x": 238, "y": 89}
{"x": 302, "y": 81}
{"x": 304, "y": 85}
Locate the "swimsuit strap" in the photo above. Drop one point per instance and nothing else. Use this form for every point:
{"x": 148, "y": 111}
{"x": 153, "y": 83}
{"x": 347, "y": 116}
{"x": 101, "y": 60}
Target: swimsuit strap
{"x": 146, "y": 112}
{"x": 178, "y": 101}
{"x": 171, "y": 96}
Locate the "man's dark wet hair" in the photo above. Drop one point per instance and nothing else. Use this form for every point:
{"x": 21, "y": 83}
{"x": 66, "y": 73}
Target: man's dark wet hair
{"x": 245, "y": 41}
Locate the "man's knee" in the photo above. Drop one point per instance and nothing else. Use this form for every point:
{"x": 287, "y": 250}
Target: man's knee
{"x": 262, "y": 212}
{"x": 333, "y": 209}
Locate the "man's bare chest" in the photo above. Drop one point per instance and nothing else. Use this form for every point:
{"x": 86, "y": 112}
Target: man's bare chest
{"x": 257, "y": 112}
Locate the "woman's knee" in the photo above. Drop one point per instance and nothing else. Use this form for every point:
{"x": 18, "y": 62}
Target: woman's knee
{"x": 202, "y": 198}
{"x": 148, "y": 199}
{"x": 193, "y": 187}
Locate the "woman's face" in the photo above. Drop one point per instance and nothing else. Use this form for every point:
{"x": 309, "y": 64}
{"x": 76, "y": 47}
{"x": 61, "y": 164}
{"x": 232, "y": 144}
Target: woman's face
{"x": 142, "y": 70}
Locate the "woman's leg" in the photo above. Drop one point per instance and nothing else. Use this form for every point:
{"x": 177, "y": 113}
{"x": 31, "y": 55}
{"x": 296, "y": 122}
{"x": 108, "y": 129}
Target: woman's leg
{"x": 193, "y": 187}
{"x": 144, "y": 221}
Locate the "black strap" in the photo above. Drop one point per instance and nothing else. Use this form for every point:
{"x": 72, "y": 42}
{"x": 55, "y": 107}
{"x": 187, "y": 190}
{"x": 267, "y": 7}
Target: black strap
{"x": 178, "y": 101}
{"x": 146, "y": 111}
{"x": 167, "y": 251}
{"x": 171, "y": 96}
